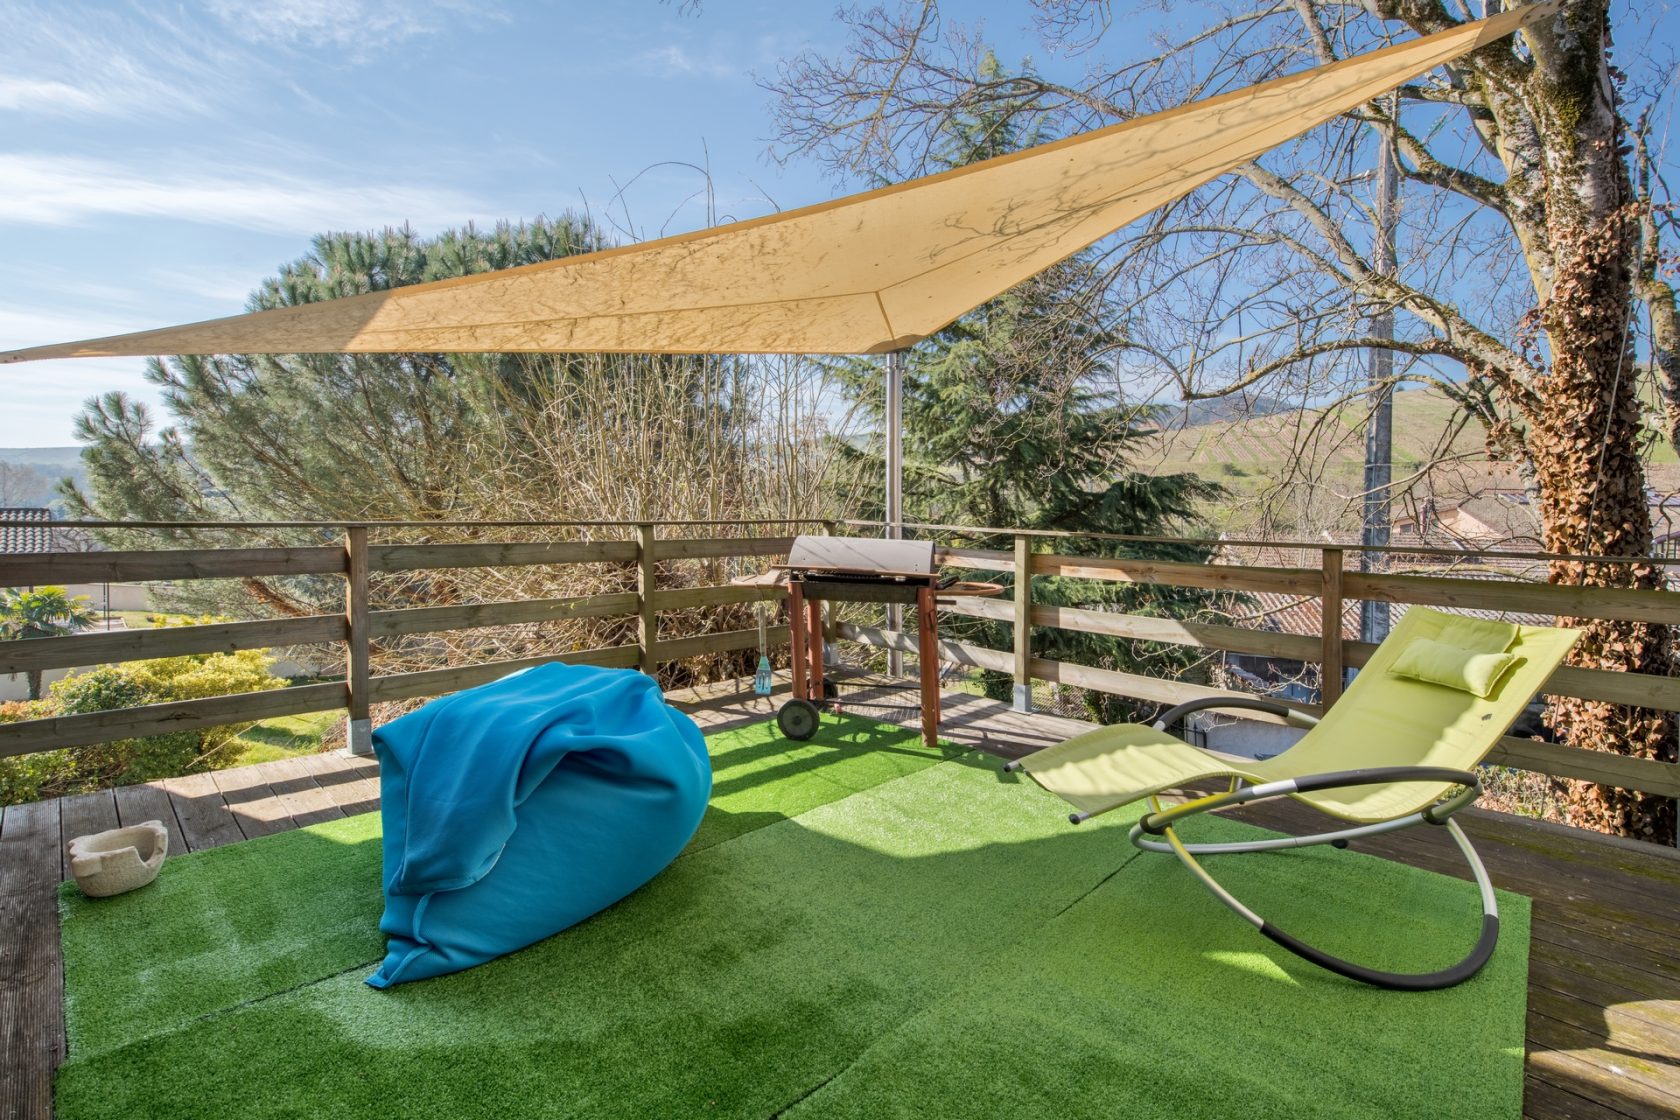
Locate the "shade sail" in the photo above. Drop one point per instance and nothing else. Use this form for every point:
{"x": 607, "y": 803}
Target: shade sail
{"x": 864, "y": 274}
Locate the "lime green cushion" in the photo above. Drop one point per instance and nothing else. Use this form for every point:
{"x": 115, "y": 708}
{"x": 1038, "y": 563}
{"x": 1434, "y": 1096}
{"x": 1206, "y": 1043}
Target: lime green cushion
{"x": 1467, "y": 670}
{"x": 1478, "y": 635}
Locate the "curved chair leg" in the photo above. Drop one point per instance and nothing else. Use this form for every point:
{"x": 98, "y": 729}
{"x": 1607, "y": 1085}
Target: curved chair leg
{"x": 1425, "y": 981}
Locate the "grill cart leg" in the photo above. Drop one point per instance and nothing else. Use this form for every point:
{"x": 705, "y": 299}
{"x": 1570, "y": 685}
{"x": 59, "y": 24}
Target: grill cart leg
{"x": 814, "y": 643}
{"x": 796, "y": 633}
{"x": 927, "y": 650}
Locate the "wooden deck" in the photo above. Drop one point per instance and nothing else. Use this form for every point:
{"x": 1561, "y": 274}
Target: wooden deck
{"x": 1603, "y": 1031}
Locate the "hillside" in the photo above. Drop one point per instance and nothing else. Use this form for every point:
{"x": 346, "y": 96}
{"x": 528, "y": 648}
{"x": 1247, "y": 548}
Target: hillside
{"x": 29, "y": 475}
{"x": 1308, "y": 464}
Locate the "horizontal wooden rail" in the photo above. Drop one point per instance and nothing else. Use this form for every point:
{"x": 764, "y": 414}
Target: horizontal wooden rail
{"x": 34, "y": 654}
{"x": 981, "y": 559}
{"x": 32, "y": 569}
{"x": 687, "y": 598}
{"x": 466, "y": 616}
{"x": 723, "y": 641}
{"x": 435, "y": 682}
{"x": 1157, "y": 690}
{"x": 160, "y": 719}
{"x": 1211, "y": 577}
{"x": 957, "y": 653}
{"x": 1147, "y": 628}
{"x": 708, "y": 548}
{"x": 1643, "y": 774}
{"x": 429, "y": 557}
{"x": 1627, "y": 603}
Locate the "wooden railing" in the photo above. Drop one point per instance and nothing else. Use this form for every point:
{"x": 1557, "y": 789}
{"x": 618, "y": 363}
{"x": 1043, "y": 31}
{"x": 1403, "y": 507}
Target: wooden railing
{"x": 640, "y": 547}
{"x": 357, "y": 560}
{"x": 1331, "y": 583}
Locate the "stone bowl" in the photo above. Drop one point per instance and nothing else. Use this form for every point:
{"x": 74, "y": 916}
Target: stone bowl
{"x": 122, "y": 859}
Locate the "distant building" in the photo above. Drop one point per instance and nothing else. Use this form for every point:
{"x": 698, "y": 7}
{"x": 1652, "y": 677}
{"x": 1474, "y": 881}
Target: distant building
{"x": 32, "y": 529}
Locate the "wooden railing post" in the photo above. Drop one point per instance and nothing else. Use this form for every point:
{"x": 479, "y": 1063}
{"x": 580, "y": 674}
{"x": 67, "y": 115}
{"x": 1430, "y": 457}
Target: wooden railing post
{"x": 647, "y": 620}
{"x": 1023, "y": 624}
{"x": 359, "y": 732}
{"x": 1330, "y": 676}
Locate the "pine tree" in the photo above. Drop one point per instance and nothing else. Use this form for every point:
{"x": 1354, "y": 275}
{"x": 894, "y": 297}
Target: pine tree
{"x": 1012, "y": 420}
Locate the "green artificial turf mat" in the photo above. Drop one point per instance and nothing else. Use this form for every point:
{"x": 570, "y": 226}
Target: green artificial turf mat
{"x": 759, "y": 776}
{"x": 943, "y": 944}
{"x": 734, "y": 982}
{"x": 222, "y": 927}
{"x": 1148, "y": 999}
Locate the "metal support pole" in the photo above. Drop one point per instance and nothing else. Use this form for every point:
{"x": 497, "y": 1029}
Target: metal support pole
{"x": 895, "y": 487}
{"x": 1379, "y": 429}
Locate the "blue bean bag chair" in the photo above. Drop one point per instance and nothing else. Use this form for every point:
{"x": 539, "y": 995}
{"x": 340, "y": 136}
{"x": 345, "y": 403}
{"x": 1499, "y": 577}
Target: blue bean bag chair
{"x": 516, "y": 809}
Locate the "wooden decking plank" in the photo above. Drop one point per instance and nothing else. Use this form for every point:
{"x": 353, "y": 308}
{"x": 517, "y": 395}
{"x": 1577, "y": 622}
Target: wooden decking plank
{"x": 1543, "y": 1100}
{"x": 31, "y": 968}
{"x": 294, "y": 784}
{"x": 1573, "y": 1058}
{"x": 255, "y": 808}
{"x": 1608, "y": 986}
{"x": 83, "y": 814}
{"x": 1590, "y": 947}
{"x": 205, "y": 819}
{"x": 352, "y": 783}
{"x": 150, "y": 802}
{"x": 29, "y": 846}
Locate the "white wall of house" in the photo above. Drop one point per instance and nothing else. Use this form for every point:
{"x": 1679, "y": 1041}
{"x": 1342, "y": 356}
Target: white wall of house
{"x": 123, "y": 596}
{"x": 15, "y": 686}
{"x": 1246, "y": 738}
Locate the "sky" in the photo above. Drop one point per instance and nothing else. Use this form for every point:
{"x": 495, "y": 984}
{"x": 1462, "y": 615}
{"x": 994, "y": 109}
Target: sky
{"x": 157, "y": 159}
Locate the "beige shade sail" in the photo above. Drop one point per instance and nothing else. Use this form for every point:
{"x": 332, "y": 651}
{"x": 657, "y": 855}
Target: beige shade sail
{"x": 869, "y": 273}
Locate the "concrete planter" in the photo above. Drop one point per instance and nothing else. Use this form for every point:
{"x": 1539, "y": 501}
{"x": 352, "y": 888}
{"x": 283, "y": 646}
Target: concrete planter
{"x": 122, "y": 859}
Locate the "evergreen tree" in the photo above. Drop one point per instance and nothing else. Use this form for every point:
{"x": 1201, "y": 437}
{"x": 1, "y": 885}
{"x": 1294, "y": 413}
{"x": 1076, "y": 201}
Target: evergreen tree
{"x": 1011, "y": 421}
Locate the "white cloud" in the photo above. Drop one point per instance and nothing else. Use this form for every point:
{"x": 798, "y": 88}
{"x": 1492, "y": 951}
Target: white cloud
{"x": 70, "y": 190}
{"x": 106, "y": 65}
{"x": 360, "y": 27}
{"x": 675, "y": 60}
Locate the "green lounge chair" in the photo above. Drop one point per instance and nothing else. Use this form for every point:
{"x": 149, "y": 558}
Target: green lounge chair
{"x": 1398, "y": 749}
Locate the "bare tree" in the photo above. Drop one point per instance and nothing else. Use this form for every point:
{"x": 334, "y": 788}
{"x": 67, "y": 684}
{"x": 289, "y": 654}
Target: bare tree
{"x": 1530, "y": 242}
{"x": 22, "y": 485}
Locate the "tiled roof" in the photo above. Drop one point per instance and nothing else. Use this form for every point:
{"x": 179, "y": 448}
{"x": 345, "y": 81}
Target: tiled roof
{"x": 1294, "y": 614}
{"x": 36, "y": 536}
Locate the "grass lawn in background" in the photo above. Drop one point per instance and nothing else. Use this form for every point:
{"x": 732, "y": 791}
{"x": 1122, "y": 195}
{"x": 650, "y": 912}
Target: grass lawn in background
{"x": 282, "y": 737}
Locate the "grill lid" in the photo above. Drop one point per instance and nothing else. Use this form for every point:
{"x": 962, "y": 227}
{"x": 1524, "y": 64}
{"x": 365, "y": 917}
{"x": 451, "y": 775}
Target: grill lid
{"x": 861, "y": 556}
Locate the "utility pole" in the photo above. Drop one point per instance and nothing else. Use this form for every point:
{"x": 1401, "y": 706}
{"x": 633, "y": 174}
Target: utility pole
{"x": 1379, "y": 428}
{"x": 895, "y": 487}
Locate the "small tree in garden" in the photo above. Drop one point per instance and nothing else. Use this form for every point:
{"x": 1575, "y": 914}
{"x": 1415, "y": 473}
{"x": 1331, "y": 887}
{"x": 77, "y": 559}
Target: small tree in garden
{"x": 41, "y": 612}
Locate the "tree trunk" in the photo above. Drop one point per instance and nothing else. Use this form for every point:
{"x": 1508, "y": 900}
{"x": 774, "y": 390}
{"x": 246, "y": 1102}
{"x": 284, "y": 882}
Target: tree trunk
{"x": 1586, "y": 429}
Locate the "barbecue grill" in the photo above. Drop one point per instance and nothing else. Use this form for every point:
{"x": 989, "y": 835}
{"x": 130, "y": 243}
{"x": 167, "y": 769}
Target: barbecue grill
{"x": 860, "y": 570}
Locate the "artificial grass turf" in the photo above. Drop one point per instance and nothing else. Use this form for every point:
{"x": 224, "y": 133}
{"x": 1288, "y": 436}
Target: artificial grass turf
{"x": 1148, "y": 999}
{"x": 942, "y": 944}
{"x": 237, "y": 923}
